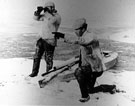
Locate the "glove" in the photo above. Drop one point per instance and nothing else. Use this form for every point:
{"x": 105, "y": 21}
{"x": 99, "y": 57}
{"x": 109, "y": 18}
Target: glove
{"x": 59, "y": 35}
{"x": 38, "y": 11}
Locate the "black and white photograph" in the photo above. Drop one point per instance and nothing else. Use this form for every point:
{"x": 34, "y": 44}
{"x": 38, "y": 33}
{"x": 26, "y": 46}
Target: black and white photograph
{"x": 67, "y": 52}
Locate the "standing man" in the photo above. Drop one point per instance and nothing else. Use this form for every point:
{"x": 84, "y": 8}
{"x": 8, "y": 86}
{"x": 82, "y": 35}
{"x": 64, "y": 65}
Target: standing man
{"x": 47, "y": 42}
{"x": 91, "y": 65}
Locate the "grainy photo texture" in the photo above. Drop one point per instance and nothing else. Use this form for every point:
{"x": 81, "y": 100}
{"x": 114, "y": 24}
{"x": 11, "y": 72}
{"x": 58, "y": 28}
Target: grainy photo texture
{"x": 67, "y": 52}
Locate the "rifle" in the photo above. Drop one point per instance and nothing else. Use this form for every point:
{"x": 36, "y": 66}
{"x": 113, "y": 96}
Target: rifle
{"x": 67, "y": 63}
{"x": 57, "y": 70}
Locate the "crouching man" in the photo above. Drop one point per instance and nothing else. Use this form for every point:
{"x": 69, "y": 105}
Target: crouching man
{"x": 91, "y": 65}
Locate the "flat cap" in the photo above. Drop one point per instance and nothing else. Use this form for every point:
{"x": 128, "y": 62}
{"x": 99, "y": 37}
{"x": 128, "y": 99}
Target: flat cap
{"x": 79, "y": 23}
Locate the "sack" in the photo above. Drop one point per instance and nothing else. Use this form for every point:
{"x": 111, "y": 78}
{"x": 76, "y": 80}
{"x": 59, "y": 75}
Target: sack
{"x": 95, "y": 62}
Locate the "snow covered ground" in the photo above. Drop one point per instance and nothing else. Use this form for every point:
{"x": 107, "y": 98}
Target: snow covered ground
{"x": 15, "y": 90}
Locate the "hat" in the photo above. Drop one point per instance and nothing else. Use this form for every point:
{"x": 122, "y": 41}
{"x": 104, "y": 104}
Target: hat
{"x": 79, "y": 23}
{"x": 49, "y": 4}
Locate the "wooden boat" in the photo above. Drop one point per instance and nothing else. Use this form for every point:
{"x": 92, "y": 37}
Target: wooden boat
{"x": 110, "y": 59}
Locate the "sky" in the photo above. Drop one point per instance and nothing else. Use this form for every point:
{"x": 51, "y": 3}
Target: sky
{"x": 97, "y": 12}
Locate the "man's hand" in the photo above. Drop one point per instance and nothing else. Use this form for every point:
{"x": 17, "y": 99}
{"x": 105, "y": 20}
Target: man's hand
{"x": 38, "y": 11}
{"x": 66, "y": 40}
{"x": 58, "y": 34}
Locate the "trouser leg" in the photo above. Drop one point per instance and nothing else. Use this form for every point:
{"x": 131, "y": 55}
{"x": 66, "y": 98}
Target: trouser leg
{"x": 91, "y": 83}
{"x": 95, "y": 75}
{"x": 82, "y": 82}
{"x": 93, "y": 78}
{"x": 37, "y": 57}
{"x": 49, "y": 52}
{"x": 90, "y": 78}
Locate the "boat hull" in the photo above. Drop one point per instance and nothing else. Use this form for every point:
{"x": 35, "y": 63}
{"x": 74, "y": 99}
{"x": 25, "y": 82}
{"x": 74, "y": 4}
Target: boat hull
{"x": 110, "y": 60}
